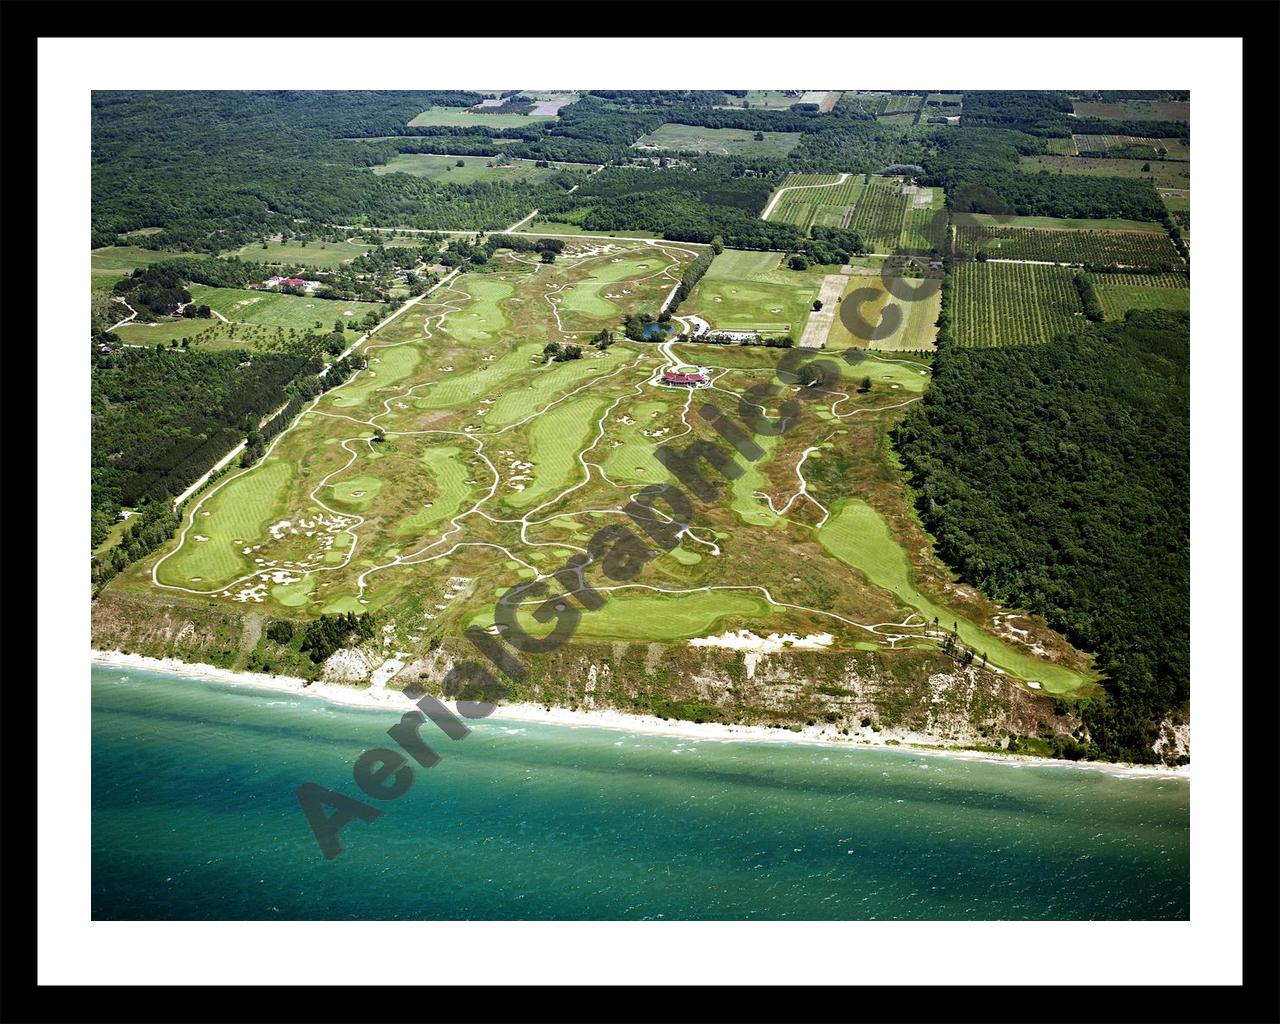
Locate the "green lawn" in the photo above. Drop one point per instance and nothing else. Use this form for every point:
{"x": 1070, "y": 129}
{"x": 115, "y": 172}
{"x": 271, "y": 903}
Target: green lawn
{"x": 120, "y": 260}
{"x": 474, "y": 168}
{"x": 745, "y": 290}
{"x": 460, "y": 116}
{"x": 313, "y": 254}
{"x": 720, "y": 141}
{"x": 275, "y": 309}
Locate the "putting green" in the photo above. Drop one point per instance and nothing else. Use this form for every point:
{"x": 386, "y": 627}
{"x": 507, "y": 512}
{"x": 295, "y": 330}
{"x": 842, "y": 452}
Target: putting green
{"x": 353, "y": 494}
{"x": 858, "y": 536}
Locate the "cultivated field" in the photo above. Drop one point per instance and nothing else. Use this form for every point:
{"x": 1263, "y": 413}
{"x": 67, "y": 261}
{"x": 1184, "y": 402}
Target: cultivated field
{"x": 829, "y": 204}
{"x": 461, "y": 117}
{"x": 1012, "y": 303}
{"x": 881, "y": 213}
{"x": 1056, "y": 245}
{"x": 1174, "y": 149}
{"x": 720, "y": 141}
{"x": 915, "y": 332}
{"x": 1121, "y": 292}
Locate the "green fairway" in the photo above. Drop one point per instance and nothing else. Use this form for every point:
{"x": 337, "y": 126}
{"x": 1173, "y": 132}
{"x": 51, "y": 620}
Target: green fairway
{"x": 455, "y": 388}
{"x": 237, "y": 514}
{"x": 547, "y": 382}
{"x": 641, "y": 615}
{"x": 268, "y": 307}
{"x": 555, "y": 438}
{"x": 595, "y": 297}
{"x": 439, "y": 167}
{"x": 460, "y": 116}
{"x": 859, "y": 537}
{"x": 445, "y": 498}
{"x": 719, "y": 141}
{"x": 481, "y": 319}
{"x": 388, "y": 367}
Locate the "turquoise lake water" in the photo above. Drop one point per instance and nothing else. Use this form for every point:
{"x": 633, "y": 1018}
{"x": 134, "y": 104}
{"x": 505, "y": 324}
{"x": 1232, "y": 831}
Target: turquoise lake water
{"x": 195, "y": 818}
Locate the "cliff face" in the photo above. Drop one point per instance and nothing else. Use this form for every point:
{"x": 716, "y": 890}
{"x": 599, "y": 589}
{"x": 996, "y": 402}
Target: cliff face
{"x": 914, "y": 694}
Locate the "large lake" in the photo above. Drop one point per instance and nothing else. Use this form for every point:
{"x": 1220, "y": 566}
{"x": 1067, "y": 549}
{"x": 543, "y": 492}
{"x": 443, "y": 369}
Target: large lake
{"x": 195, "y": 817}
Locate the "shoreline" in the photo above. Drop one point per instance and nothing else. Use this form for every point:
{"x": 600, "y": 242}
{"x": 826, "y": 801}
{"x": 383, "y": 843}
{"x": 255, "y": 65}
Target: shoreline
{"x": 607, "y": 718}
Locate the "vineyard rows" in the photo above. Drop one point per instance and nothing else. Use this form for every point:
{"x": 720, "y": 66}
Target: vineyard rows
{"x": 998, "y": 304}
{"x": 826, "y": 206}
{"x": 881, "y": 213}
{"x": 1103, "y": 248}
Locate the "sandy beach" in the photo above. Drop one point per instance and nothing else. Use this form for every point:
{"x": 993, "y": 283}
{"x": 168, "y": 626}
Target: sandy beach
{"x": 393, "y": 700}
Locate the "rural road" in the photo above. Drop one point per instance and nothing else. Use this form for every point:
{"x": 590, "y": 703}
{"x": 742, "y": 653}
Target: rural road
{"x": 790, "y": 188}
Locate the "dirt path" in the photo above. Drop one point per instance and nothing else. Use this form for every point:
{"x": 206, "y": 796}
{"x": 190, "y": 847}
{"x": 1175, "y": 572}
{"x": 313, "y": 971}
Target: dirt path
{"x": 820, "y": 320}
{"x": 132, "y": 313}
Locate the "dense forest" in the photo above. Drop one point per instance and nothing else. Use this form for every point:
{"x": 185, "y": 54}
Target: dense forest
{"x": 1057, "y": 478}
{"x": 163, "y": 417}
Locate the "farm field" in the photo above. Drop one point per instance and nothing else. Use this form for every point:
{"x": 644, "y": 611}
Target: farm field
{"x": 881, "y": 213}
{"x": 321, "y": 254}
{"x": 438, "y": 167}
{"x": 209, "y": 334}
{"x": 916, "y": 331}
{"x": 462, "y": 117}
{"x": 1174, "y": 149}
{"x": 1102, "y": 224}
{"x": 998, "y": 304}
{"x": 274, "y": 309}
{"x": 768, "y": 99}
{"x": 1112, "y": 248}
{"x": 1136, "y": 110}
{"x": 719, "y": 141}
{"x": 1121, "y": 292}
{"x": 830, "y": 204}
{"x": 1167, "y": 173}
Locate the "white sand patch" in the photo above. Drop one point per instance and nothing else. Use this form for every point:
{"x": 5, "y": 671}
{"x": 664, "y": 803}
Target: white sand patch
{"x": 753, "y": 646}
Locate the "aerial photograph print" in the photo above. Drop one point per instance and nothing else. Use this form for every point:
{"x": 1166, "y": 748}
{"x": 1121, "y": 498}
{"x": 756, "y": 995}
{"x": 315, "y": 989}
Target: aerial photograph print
{"x": 619, "y": 505}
